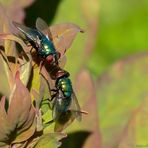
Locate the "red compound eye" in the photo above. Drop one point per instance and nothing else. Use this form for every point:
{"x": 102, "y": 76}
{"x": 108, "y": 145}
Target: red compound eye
{"x": 49, "y": 59}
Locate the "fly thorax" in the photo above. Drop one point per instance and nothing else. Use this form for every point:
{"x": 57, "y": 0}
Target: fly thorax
{"x": 48, "y": 46}
{"x": 64, "y": 84}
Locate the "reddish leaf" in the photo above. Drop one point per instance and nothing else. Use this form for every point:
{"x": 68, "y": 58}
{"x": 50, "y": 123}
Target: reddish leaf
{"x": 24, "y": 65}
{"x": 18, "y": 118}
{"x": 63, "y": 35}
{"x": 26, "y": 134}
{"x": 5, "y": 76}
{"x": 6, "y": 36}
{"x": 15, "y": 9}
{"x": 4, "y": 124}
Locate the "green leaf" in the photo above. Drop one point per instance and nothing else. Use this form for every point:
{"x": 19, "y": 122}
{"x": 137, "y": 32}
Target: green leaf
{"x": 136, "y": 132}
{"x": 122, "y": 32}
{"x": 122, "y": 96}
{"x": 4, "y": 145}
{"x": 50, "y": 140}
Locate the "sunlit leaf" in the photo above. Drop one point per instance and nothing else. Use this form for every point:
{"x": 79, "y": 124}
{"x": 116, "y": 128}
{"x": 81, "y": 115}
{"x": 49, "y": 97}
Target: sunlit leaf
{"x": 5, "y": 129}
{"x": 50, "y": 140}
{"x": 5, "y": 77}
{"x": 25, "y": 69}
{"x": 18, "y": 118}
{"x": 63, "y": 35}
{"x": 5, "y": 28}
{"x": 19, "y": 145}
{"x": 8, "y": 36}
{"x": 4, "y": 145}
{"x": 26, "y": 134}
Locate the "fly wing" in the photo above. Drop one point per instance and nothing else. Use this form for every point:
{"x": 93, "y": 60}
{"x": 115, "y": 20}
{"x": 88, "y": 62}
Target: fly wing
{"x": 55, "y": 113}
{"x": 64, "y": 119}
{"x": 42, "y": 26}
{"x": 30, "y": 34}
{"x": 75, "y": 107}
{"x": 63, "y": 35}
{"x": 61, "y": 116}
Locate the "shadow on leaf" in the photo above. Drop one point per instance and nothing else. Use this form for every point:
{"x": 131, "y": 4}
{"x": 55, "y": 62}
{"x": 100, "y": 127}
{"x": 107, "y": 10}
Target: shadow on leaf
{"x": 76, "y": 139}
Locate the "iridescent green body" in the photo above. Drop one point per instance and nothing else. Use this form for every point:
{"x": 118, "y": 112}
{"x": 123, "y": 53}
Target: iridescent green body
{"x": 43, "y": 45}
{"x": 64, "y": 84}
{"x": 46, "y": 47}
{"x": 63, "y": 97}
{"x": 65, "y": 105}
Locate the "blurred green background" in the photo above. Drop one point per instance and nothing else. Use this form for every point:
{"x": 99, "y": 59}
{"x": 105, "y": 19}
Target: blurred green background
{"x": 108, "y": 66}
{"x": 121, "y": 27}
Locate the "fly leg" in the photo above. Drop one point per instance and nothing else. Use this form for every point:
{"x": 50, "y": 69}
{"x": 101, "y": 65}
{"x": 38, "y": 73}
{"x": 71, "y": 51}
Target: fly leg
{"x": 54, "y": 94}
{"x": 24, "y": 54}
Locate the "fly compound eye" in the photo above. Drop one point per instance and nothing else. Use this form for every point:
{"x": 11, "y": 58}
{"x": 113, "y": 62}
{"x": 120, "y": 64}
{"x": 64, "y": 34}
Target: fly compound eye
{"x": 49, "y": 58}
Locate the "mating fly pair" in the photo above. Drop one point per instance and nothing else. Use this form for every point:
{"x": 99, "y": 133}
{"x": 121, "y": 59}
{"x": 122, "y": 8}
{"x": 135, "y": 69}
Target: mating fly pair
{"x": 50, "y": 45}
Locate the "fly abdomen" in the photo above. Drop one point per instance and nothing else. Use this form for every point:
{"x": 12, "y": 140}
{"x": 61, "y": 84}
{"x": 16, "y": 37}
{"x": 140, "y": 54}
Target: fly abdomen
{"x": 64, "y": 84}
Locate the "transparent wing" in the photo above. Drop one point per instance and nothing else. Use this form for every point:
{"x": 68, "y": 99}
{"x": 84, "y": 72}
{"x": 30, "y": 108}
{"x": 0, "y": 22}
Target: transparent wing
{"x": 63, "y": 121}
{"x": 55, "y": 112}
{"x": 65, "y": 118}
{"x": 30, "y": 33}
{"x": 75, "y": 108}
{"x": 61, "y": 116}
{"x": 42, "y": 26}
{"x": 63, "y": 36}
